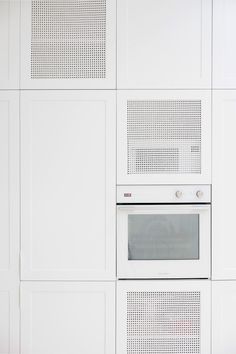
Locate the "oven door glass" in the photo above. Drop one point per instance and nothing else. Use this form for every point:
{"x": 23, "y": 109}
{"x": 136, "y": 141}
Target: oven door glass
{"x": 163, "y": 237}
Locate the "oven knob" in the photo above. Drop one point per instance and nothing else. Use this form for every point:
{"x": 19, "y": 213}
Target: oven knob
{"x": 199, "y": 194}
{"x": 178, "y": 194}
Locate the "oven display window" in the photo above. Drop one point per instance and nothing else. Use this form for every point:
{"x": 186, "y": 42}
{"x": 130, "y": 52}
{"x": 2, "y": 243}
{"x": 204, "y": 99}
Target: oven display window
{"x": 163, "y": 237}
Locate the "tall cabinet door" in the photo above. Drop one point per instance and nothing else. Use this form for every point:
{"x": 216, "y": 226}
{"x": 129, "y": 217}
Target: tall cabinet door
{"x": 224, "y": 45}
{"x": 72, "y": 318}
{"x": 223, "y": 317}
{"x": 223, "y": 179}
{"x": 68, "y": 185}
{"x": 163, "y": 44}
{"x": 9, "y": 43}
{"x": 68, "y": 44}
{"x": 9, "y": 222}
{"x": 164, "y": 137}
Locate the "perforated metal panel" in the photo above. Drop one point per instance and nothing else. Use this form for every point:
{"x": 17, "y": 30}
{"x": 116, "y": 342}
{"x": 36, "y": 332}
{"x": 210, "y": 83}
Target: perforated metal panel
{"x": 163, "y": 322}
{"x": 68, "y": 39}
{"x": 164, "y": 136}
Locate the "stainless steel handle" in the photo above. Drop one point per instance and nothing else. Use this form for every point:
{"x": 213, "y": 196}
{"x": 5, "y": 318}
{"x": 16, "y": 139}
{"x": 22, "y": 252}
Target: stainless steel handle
{"x": 199, "y": 194}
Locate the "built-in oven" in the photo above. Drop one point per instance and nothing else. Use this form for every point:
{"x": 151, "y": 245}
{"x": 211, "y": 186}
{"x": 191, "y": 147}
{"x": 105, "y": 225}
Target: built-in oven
{"x": 163, "y": 231}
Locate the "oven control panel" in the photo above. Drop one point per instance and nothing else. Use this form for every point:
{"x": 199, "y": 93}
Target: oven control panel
{"x": 164, "y": 194}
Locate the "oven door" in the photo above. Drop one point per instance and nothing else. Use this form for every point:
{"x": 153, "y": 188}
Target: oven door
{"x": 163, "y": 241}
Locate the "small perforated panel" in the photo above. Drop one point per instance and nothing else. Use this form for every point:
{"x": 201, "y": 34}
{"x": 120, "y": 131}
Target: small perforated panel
{"x": 164, "y": 137}
{"x": 163, "y": 322}
{"x": 68, "y": 39}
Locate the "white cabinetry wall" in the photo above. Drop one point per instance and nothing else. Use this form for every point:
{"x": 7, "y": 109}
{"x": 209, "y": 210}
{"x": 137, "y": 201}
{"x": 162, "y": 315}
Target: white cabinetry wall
{"x": 223, "y": 317}
{"x": 9, "y": 43}
{"x": 68, "y": 185}
{"x": 224, "y": 177}
{"x": 224, "y": 45}
{"x": 9, "y": 222}
{"x": 163, "y": 44}
{"x": 72, "y": 318}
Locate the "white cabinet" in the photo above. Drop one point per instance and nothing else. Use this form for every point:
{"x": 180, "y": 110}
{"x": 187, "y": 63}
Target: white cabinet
{"x": 68, "y": 44}
{"x": 164, "y": 137}
{"x": 68, "y": 185}
{"x": 9, "y": 43}
{"x": 164, "y": 44}
{"x": 9, "y": 185}
{"x": 223, "y": 317}
{"x": 67, "y": 318}
{"x": 163, "y": 317}
{"x": 9, "y": 317}
{"x": 9, "y": 224}
{"x": 223, "y": 178}
{"x": 224, "y": 45}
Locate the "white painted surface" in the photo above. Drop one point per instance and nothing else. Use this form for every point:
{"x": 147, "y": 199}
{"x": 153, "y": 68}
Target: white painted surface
{"x": 9, "y": 222}
{"x": 223, "y": 317}
{"x": 68, "y": 185}
{"x": 9, "y": 185}
{"x": 224, "y": 46}
{"x": 9, "y": 43}
{"x": 204, "y": 177}
{"x": 224, "y": 176}
{"x": 164, "y": 44}
{"x": 67, "y": 318}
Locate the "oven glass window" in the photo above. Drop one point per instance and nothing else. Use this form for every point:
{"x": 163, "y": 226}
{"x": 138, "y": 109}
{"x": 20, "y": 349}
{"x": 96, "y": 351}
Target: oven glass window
{"x": 163, "y": 237}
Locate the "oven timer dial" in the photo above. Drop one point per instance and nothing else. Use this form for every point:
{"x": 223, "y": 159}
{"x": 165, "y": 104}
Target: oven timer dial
{"x": 178, "y": 194}
{"x": 199, "y": 194}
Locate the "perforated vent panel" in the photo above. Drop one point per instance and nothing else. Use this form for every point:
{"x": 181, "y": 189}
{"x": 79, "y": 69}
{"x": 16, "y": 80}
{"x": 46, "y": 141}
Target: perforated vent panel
{"x": 164, "y": 137}
{"x": 163, "y": 322}
{"x": 68, "y": 39}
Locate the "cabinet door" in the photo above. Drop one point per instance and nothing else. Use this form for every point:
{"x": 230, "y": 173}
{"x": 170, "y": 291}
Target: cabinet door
{"x": 224, "y": 176}
{"x": 164, "y": 44}
{"x": 9, "y": 43}
{"x": 163, "y": 317}
{"x": 164, "y": 137}
{"x": 224, "y": 45}
{"x": 68, "y": 185}
{"x": 223, "y": 317}
{"x": 9, "y": 222}
{"x": 68, "y": 44}
{"x": 67, "y": 318}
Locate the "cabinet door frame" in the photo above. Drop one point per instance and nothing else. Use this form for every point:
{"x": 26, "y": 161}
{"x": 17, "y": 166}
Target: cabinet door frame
{"x": 105, "y": 83}
{"x": 221, "y": 291}
{"x": 124, "y": 286}
{"x": 222, "y": 80}
{"x": 27, "y": 272}
{"x": 221, "y": 270}
{"x": 164, "y": 81}
{"x": 11, "y": 80}
{"x": 9, "y": 275}
{"x": 123, "y": 178}
{"x": 30, "y": 288}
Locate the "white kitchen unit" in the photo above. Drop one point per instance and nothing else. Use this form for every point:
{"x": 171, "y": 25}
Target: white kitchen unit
{"x": 224, "y": 45}
{"x": 68, "y": 185}
{"x": 224, "y": 176}
{"x": 9, "y": 317}
{"x": 163, "y": 44}
{"x": 71, "y": 318}
{"x": 68, "y": 44}
{"x": 163, "y": 317}
{"x": 163, "y": 137}
{"x": 223, "y": 317}
{"x": 9, "y": 43}
{"x": 9, "y": 222}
